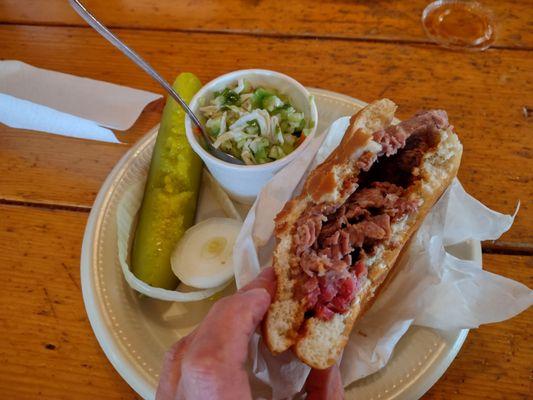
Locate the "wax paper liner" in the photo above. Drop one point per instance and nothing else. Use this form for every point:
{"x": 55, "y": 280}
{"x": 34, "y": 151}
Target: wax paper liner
{"x": 432, "y": 289}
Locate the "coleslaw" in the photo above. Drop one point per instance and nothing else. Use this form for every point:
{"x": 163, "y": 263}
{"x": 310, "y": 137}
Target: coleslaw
{"x": 255, "y": 124}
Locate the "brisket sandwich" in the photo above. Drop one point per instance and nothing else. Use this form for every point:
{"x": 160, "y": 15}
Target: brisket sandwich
{"x": 339, "y": 239}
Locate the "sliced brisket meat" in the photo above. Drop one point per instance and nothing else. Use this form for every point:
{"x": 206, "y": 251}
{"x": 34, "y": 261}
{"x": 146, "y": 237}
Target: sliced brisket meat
{"x": 401, "y": 167}
{"x": 332, "y": 241}
{"x": 391, "y": 198}
{"x": 307, "y": 229}
{"x": 394, "y": 137}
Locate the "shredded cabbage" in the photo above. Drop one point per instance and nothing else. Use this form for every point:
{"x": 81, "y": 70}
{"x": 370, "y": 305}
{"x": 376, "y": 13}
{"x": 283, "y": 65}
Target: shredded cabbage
{"x": 257, "y": 125}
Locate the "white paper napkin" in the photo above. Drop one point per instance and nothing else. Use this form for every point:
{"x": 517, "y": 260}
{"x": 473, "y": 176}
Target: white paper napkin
{"x": 432, "y": 288}
{"x": 54, "y": 102}
{"x": 23, "y": 114}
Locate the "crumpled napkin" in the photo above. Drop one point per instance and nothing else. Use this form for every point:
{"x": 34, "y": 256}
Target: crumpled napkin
{"x": 433, "y": 288}
{"x": 54, "y": 102}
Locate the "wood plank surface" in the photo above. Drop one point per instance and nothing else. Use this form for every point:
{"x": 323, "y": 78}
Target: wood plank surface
{"x": 69, "y": 170}
{"x": 368, "y": 19}
{"x": 48, "y": 349}
{"x": 495, "y": 361}
{"x": 484, "y": 93}
{"x": 367, "y": 49}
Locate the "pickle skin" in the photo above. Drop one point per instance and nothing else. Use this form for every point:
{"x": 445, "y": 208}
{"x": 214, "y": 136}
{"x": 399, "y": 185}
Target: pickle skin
{"x": 171, "y": 193}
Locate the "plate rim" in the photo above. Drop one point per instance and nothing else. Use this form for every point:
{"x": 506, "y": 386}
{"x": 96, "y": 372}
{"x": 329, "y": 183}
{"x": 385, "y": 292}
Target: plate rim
{"x": 98, "y": 321}
{"x": 112, "y": 348}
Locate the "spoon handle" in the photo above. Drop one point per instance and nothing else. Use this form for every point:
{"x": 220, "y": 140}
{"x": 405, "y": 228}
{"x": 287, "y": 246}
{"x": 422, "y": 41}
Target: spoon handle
{"x": 106, "y": 33}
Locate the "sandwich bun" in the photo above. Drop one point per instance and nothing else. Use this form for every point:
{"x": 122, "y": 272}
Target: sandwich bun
{"x": 318, "y": 342}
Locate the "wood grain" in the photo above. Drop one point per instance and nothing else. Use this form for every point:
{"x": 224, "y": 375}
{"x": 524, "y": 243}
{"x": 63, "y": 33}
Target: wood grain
{"x": 48, "y": 349}
{"x": 48, "y": 169}
{"x": 368, "y": 19}
{"x": 366, "y": 49}
{"x": 484, "y": 94}
{"x": 496, "y": 360}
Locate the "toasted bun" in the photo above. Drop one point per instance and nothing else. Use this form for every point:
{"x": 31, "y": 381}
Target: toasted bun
{"x": 316, "y": 342}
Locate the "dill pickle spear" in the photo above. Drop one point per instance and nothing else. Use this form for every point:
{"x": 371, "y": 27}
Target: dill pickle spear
{"x": 171, "y": 193}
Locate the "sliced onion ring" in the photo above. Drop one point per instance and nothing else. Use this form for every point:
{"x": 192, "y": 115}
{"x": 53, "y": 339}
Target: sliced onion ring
{"x": 203, "y": 257}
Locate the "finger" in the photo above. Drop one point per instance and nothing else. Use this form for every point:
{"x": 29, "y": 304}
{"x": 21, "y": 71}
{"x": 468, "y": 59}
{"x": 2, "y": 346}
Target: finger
{"x": 266, "y": 280}
{"x": 324, "y": 384}
{"x": 229, "y": 324}
{"x": 171, "y": 372}
{"x": 214, "y": 364}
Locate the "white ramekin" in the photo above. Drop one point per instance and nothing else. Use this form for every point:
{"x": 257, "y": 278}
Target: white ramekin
{"x": 244, "y": 182}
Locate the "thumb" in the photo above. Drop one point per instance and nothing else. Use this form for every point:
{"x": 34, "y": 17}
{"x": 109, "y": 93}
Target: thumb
{"x": 230, "y": 323}
{"x": 213, "y": 368}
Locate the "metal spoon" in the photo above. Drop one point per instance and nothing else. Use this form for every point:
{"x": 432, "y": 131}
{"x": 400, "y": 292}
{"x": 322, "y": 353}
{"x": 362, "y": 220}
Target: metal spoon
{"x": 132, "y": 55}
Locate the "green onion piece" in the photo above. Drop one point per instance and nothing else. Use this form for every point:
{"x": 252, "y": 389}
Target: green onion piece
{"x": 213, "y": 126}
{"x": 259, "y": 96}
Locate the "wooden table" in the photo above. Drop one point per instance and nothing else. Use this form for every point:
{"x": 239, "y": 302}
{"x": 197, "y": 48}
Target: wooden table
{"x": 366, "y": 49}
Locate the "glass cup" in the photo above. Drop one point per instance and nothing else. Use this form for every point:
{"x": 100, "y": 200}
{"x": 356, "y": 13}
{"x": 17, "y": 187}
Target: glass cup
{"x": 459, "y": 25}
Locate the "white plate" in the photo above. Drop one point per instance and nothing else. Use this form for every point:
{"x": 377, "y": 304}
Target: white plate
{"x": 135, "y": 332}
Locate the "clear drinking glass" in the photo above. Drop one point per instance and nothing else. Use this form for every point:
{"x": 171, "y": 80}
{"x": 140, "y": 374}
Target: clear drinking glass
{"x": 459, "y": 25}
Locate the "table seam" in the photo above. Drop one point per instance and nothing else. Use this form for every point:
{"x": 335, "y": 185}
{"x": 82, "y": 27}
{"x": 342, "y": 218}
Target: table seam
{"x": 270, "y": 35}
{"x": 488, "y": 247}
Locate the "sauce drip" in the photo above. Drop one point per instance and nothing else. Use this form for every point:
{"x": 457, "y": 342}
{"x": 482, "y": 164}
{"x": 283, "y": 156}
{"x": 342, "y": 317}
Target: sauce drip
{"x": 322, "y": 181}
{"x": 459, "y": 24}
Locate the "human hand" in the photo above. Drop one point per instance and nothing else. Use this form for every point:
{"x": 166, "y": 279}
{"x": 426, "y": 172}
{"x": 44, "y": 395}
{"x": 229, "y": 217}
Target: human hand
{"x": 324, "y": 384}
{"x": 209, "y": 362}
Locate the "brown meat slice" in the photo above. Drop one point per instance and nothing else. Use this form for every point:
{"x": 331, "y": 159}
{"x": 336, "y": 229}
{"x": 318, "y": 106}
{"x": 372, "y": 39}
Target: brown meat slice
{"x": 394, "y": 137}
{"x": 332, "y": 241}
